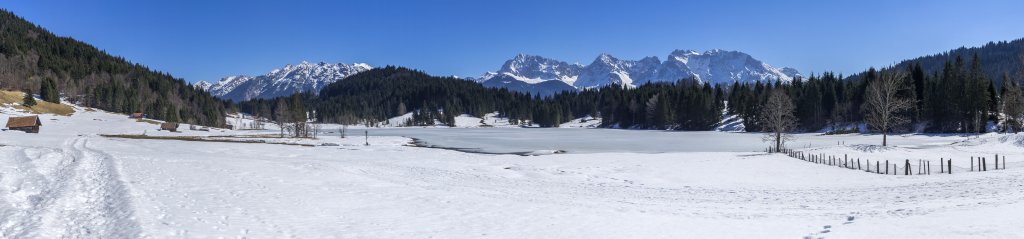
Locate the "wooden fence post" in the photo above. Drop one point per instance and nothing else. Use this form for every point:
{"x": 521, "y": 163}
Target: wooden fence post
{"x": 906, "y": 167}
{"x": 887, "y": 167}
{"x": 942, "y": 165}
{"x": 984, "y": 165}
{"x": 972, "y": 163}
{"x": 949, "y": 164}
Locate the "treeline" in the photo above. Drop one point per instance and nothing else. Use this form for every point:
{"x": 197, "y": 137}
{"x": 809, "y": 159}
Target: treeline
{"x": 32, "y": 58}
{"x": 959, "y": 98}
{"x": 375, "y": 96}
{"x": 683, "y": 105}
{"x": 999, "y": 58}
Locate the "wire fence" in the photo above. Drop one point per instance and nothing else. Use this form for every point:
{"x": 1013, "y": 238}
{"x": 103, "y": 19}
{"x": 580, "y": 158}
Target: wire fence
{"x": 901, "y": 167}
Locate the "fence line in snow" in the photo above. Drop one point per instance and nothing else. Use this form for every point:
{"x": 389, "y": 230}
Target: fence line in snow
{"x": 922, "y": 166}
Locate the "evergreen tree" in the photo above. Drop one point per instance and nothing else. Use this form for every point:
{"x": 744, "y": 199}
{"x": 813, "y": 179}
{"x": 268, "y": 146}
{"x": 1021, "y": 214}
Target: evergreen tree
{"x": 48, "y": 91}
{"x": 28, "y": 100}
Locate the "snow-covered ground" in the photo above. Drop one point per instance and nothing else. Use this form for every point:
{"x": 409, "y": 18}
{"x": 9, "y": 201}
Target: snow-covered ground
{"x": 461, "y": 121}
{"x": 69, "y": 182}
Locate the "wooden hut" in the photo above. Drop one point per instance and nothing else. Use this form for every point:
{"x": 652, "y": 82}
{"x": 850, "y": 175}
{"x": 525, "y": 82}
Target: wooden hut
{"x": 29, "y": 124}
{"x": 169, "y": 126}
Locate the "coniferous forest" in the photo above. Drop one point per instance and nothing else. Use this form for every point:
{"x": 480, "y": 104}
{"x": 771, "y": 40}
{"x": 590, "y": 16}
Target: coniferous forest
{"x": 32, "y": 58}
{"x": 959, "y": 98}
{"x": 375, "y": 96}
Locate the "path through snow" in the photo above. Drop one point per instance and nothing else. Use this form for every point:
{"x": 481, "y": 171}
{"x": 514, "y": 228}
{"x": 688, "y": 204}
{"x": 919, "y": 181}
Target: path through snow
{"x": 70, "y": 192}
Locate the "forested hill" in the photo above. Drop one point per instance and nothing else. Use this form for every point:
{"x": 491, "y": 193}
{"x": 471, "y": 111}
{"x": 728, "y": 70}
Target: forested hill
{"x": 374, "y": 96}
{"x": 997, "y": 59}
{"x": 30, "y": 54}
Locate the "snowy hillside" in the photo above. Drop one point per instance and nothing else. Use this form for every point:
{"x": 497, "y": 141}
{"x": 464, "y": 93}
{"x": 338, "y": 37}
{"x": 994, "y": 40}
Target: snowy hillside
{"x": 281, "y": 82}
{"x": 713, "y": 66}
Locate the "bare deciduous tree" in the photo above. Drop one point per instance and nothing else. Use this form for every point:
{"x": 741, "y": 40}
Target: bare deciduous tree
{"x": 1013, "y": 100}
{"x": 777, "y": 116}
{"x": 344, "y": 128}
{"x": 883, "y": 105}
{"x": 1012, "y": 106}
{"x": 281, "y": 115}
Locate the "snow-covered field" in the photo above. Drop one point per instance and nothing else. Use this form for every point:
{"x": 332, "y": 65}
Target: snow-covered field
{"x": 69, "y": 182}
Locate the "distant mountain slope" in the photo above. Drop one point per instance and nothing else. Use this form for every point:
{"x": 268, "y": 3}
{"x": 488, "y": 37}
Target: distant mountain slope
{"x": 997, "y": 58}
{"x": 523, "y": 72}
{"x": 544, "y": 88}
{"x": 304, "y": 77}
{"x": 93, "y": 78}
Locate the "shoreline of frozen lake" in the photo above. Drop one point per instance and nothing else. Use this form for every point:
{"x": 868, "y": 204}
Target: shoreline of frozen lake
{"x": 587, "y": 141}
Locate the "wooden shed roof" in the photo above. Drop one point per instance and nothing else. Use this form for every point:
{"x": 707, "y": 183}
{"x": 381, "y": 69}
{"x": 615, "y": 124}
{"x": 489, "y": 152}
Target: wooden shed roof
{"x": 169, "y": 125}
{"x": 23, "y": 121}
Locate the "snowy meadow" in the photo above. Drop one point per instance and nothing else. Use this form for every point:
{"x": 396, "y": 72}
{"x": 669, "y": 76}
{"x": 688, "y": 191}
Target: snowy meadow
{"x": 70, "y": 181}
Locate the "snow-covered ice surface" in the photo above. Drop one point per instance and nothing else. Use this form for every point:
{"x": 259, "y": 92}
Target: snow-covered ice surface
{"x": 68, "y": 182}
{"x": 584, "y": 140}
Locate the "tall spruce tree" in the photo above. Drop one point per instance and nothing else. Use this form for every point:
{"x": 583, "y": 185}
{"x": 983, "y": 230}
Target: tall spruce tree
{"x": 48, "y": 91}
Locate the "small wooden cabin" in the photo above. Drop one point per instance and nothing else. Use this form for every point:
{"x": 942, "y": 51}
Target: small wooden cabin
{"x": 29, "y": 124}
{"x": 169, "y": 126}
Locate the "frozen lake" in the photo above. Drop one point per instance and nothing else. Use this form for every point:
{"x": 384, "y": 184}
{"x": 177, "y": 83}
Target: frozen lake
{"x": 517, "y": 140}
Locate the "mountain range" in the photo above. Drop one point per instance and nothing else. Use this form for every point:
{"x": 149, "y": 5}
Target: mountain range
{"x": 536, "y": 74}
{"x": 284, "y": 81}
{"x": 527, "y": 73}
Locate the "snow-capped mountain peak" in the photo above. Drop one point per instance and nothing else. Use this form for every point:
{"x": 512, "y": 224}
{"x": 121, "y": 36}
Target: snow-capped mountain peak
{"x": 302, "y": 77}
{"x": 534, "y": 69}
{"x": 202, "y": 85}
{"x": 713, "y": 66}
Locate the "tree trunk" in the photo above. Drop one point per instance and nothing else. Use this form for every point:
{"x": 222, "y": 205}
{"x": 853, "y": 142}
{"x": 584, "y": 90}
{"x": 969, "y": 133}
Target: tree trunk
{"x": 884, "y": 138}
{"x": 778, "y": 141}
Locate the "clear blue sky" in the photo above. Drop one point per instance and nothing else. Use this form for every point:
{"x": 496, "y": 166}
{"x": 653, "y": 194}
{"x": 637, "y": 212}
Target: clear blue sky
{"x": 206, "y": 40}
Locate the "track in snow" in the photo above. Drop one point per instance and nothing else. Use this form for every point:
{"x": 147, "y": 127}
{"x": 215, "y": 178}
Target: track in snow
{"x": 72, "y": 192}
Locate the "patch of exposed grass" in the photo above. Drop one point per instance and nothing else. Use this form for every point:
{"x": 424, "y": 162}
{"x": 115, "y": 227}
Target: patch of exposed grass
{"x": 197, "y": 138}
{"x": 14, "y": 98}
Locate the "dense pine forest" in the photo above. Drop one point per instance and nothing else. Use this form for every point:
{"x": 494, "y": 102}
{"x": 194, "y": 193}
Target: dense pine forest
{"x": 958, "y": 98}
{"x": 998, "y": 58}
{"x": 375, "y": 96}
{"x": 33, "y": 59}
